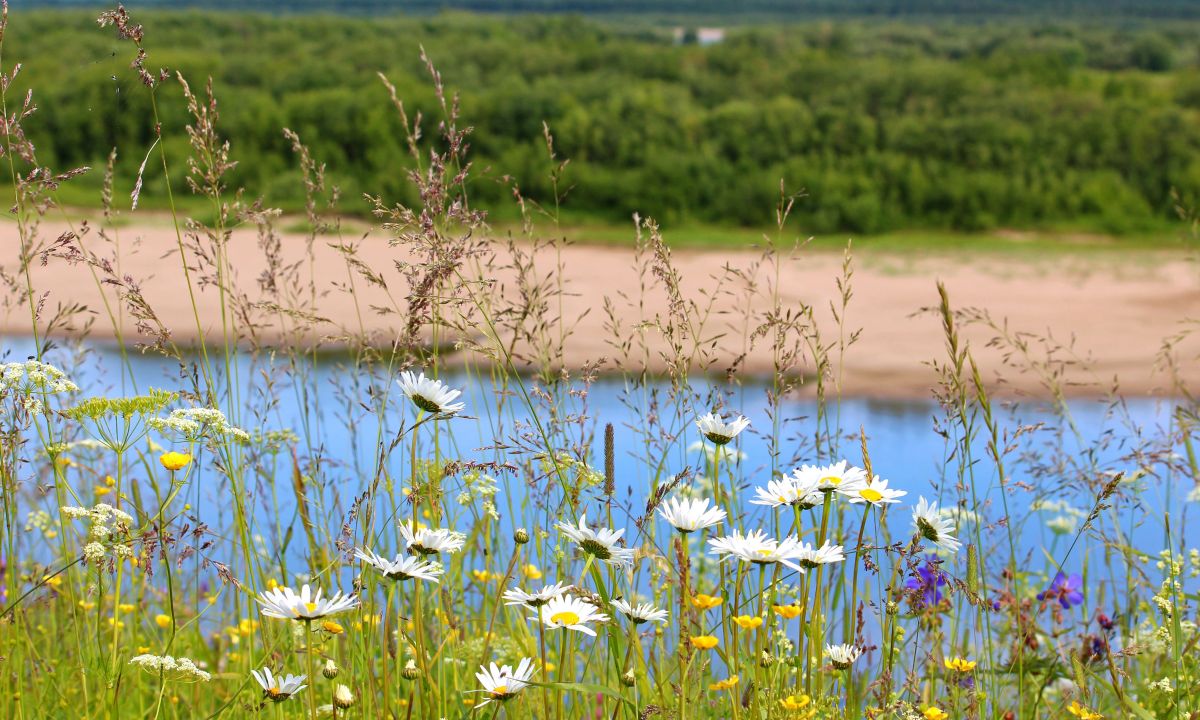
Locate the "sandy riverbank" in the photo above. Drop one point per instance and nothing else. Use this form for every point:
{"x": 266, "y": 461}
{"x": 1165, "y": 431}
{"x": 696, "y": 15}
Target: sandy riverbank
{"x": 1113, "y": 308}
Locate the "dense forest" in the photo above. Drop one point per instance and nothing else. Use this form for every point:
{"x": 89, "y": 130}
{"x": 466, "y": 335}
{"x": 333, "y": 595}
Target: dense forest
{"x": 730, "y": 10}
{"x": 883, "y": 125}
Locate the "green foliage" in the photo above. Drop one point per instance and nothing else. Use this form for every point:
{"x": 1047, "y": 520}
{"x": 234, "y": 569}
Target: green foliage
{"x": 884, "y": 126}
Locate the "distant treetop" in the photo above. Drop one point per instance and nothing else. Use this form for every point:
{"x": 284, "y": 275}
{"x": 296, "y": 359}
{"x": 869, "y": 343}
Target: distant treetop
{"x": 731, "y": 10}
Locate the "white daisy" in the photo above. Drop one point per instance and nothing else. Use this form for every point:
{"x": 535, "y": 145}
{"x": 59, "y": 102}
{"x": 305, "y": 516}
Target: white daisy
{"x": 533, "y": 601}
{"x": 757, "y": 548}
{"x": 600, "y": 543}
{"x": 842, "y": 656}
{"x": 690, "y": 515}
{"x": 569, "y": 612}
{"x": 646, "y": 612}
{"x": 430, "y": 395}
{"x": 810, "y": 557}
{"x": 931, "y": 525}
{"x": 839, "y": 477}
{"x": 502, "y": 683}
{"x": 718, "y": 431}
{"x": 431, "y": 542}
{"x": 404, "y": 567}
{"x": 877, "y": 493}
{"x": 795, "y": 489}
{"x": 278, "y": 688}
{"x": 287, "y": 604}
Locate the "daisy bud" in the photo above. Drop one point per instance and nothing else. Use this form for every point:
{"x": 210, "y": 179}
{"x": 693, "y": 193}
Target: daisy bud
{"x": 330, "y": 671}
{"x": 521, "y": 536}
{"x": 766, "y": 660}
{"x": 628, "y": 679}
{"x": 342, "y": 697}
{"x": 410, "y": 671}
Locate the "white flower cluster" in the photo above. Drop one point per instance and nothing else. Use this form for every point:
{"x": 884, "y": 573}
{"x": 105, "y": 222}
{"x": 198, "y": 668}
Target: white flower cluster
{"x": 33, "y": 376}
{"x": 1066, "y": 519}
{"x": 105, "y": 520}
{"x": 170, "y": 667}
{"x": 195, "y": 423}
{"x": 477, "y": 486}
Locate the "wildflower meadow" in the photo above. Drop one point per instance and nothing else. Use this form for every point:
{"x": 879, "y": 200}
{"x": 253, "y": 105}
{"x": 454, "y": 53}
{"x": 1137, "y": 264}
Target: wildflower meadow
{"x": 298, "y": 517}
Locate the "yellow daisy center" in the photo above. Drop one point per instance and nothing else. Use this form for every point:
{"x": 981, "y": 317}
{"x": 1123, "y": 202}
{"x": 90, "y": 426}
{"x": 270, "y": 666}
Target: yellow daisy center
{"x": 871, "y": 495}
{"x": 831, "y": 480}
{"x": 311, "y": 607}
{"x": 566, "y": 617}
{"x": 500, "y": 691}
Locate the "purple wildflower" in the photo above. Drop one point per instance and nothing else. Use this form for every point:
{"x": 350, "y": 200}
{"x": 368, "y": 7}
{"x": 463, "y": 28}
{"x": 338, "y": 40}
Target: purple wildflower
{"x": 1064, "y": 589}
{"x": 926, "y": 581}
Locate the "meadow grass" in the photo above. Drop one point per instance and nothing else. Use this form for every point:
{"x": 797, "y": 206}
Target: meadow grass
{"x": 162, "y": 548}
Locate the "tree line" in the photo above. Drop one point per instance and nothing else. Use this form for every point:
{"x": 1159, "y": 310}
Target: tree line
{"x": 882, "y": 125}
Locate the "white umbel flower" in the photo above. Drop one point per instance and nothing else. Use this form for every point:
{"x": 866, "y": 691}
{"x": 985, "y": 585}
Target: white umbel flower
{"x": 646, "y": 612}
{"x": 534, "y": 600}
{"x": 600, "y": 543}
{"x": 502, "y": 683}
{"x": 430, "y": 542}
{"x": 688, "y": 515}
{"x": 810, "y": 557}
{"x": 168, "y": 667}
{"x": 757, "y": 548}
{"x": 718, "y": 431}
{"x": 278, "y": 688}
{"x": 571, "y": 613}
{"x": 877, "y": 493}
{"x": 934, "y": 527}
{"x": 842, "y": 656}
{"x": 286, "y": 604}
{"x": 840, "y": 477}
{"x": 795, "y": 489}
{"x": 430, "y": 395}
{"x": 403, "y": 567}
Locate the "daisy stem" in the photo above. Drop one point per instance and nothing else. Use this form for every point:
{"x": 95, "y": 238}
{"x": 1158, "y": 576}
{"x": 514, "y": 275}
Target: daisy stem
{"x": 814, "y": 628}
{"x": 760, "y": 631}
{"x": 852, "y": 608}
{"x": 542, "y": 648}
{"x": 684, "y": 591}
{"x": 312, "y": 684}
{"x": 562, "y": 672}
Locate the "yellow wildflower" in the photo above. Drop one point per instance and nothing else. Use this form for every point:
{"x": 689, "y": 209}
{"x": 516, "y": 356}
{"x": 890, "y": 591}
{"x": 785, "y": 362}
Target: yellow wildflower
{"x": 532, "y": 572}
{"x": 704, "y": 642}
{"x": 787, "y": 612}
{"x": 727, "y": 684}
{"x": 793, "y": 702}
{"x": 706, "y": 602}
{"x": 958, "y": 664}
{"x": 1082, "y": 712}
{"x": 175, "y": 461}
{"x": 934, "y": 713}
